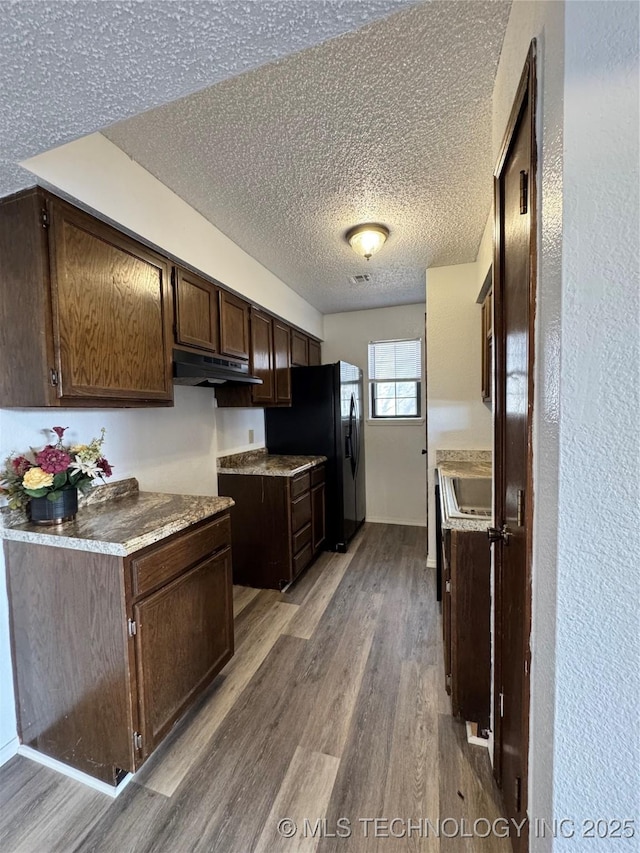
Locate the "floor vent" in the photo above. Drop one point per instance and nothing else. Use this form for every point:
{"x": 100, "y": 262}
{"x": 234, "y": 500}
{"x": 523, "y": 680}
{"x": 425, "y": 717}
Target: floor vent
{"x": 363, "y": 278}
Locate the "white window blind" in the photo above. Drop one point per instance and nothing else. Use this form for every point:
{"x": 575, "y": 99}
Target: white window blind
{"x": 395, "y": 370}
{"x": 394, "y": 360}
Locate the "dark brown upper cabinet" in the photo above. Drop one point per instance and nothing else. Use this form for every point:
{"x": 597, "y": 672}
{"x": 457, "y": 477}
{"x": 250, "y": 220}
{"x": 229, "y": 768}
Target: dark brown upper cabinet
{"x": 315, "y": 353}
{"x": 487, "y": 347}
{"x": 282, "y": 362}
{"x": 299, "y": 349}
{"x": 262, "y": 357}
{"x": 234, "y": 326}
{"x": 197, "y": 317}
{"x": 86, "y": 313}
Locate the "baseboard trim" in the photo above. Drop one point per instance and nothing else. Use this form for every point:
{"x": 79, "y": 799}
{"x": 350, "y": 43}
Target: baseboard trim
{"x": 401, "y": 521}
{"x": 72, "y": 773}
{"x": 9, "y": 750}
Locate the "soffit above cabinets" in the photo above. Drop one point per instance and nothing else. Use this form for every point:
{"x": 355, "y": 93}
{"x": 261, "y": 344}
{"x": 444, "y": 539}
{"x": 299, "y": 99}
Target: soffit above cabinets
{"x": 71, "y": 67}
{"x": 389, "y": 124}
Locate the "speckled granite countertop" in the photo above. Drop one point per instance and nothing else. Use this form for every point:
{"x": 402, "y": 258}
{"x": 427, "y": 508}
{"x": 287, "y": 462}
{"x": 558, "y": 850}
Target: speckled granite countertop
{"x": 464, "y": 463}
{"x": 261, "y": 463}
{"x": 116, "y": 519}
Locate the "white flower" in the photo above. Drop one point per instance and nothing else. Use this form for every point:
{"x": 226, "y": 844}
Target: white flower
{"x": 87, "y": 467}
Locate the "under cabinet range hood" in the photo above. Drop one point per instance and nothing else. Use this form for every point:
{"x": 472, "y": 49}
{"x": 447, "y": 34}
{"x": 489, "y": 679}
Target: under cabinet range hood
{"x": 193, "y": 369}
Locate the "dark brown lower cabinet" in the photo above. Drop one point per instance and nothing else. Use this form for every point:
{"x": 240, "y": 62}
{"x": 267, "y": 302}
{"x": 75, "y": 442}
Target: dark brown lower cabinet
{"x": 278, "y": 525}
{"x": 109, "y": 651}
{"x": 466, "y": 612}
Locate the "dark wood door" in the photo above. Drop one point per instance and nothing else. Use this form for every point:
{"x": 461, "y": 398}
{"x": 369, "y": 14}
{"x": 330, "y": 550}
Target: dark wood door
{"x": 234, "y": 326}
{"x": 282, "y": 361}
{"x": 315, "y": 353}
{"x": 197, "y": 315}
{"x": 262, "y": 357}
{"x": 318, "y": 517}
{"x": 514, "y": 303}
{"x": 110, "y": 306}
{"x": 299, "y": 349}
{"x": 184, "y": 637}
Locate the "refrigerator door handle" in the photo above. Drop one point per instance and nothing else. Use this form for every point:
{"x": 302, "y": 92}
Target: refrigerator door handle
{"x": 353, "y": 428}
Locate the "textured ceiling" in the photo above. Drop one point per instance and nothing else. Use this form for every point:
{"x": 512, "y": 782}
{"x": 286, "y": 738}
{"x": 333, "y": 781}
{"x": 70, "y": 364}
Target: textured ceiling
{"x": 391, "y": 123}
{"x": 71, "y": 67}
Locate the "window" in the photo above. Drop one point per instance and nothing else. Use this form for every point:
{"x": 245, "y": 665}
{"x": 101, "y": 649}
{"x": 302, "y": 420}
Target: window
{"x": 394, "y": 378}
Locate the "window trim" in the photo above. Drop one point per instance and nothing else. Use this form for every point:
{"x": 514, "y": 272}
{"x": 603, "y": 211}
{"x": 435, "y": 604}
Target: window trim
{"x": 419, "y": 380}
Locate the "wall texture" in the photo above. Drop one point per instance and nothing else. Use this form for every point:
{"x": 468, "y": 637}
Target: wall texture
{"x": 166, "y": 449}
{"x": 394, "y": 465}
{"x": 457, "y": 417}
{"x": 597, "y": 663}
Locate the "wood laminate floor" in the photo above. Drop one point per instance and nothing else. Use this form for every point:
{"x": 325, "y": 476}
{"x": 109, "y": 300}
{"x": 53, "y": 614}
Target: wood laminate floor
{"x": 331, "y": 714}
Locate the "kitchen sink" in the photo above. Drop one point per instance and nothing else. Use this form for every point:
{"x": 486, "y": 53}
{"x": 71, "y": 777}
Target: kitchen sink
{"x": 468, "y": 497}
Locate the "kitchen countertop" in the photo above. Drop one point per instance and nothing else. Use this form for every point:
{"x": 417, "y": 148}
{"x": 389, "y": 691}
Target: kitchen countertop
{"x": 116, "y": 519}
{"x": 261, "y": 463}
{"x": 465, "y": 467}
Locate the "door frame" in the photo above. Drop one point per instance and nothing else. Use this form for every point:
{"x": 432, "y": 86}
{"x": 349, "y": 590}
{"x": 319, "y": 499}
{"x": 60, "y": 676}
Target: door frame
{"x": 525, "y": 100}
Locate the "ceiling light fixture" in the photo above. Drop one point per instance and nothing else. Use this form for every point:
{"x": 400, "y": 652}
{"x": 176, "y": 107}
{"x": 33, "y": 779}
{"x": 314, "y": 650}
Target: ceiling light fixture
{"x": 367, "y": 239}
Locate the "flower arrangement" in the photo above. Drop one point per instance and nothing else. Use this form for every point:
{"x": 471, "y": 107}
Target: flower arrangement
{"x": 54, "y": 469}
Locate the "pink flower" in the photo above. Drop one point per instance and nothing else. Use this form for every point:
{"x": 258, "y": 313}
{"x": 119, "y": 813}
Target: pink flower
{"x": 104, "y": 466}
{"x": 20, "y": 465}
{"x": 59, "y": 431}
{"x": 53, "y": 460}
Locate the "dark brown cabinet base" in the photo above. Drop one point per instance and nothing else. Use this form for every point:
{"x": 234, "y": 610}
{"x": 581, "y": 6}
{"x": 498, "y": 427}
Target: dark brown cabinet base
{"x": 278, "y": 525}
{"x": 466, "y": 609}
{"x": 109, "y": 651}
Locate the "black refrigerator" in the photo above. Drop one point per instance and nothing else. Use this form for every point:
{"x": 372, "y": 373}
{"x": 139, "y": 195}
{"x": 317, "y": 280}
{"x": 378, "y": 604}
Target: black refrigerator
{"x": 326, "y": 418}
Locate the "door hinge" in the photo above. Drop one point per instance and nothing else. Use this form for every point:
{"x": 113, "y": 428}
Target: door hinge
{"x": 53, "y": 377}
{"x": 44, "y": 217}
{"x": 447, "y": 586}
{"x": 447, "y": 680}
{"x": 137, "y": 740}
{"x": 518, "y": 793}
{"x": 526, "y": 666}
{"x": 133, "y": 627}
{"x": 501, "y": 704}
{"x": 524, "y": 188}
{"x": 520, "y": 508}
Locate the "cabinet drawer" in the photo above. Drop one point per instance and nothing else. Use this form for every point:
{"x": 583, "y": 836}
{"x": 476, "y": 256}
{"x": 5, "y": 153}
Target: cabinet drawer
{"x": 317, "y": 475}
{"x": 302, "y": 559}
{"x": 300, "y": 512}
{"x": 163, "y": 563}
{"x": 301, "y": 538}
{"x": 300, "y": 484}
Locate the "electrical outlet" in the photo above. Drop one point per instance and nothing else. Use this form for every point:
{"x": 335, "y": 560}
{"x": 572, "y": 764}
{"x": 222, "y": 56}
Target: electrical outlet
{"x": 251, "y": 436}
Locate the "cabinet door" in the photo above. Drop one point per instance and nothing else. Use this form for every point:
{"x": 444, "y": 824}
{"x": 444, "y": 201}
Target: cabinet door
{"x": 234, "y": 326}
{"x": 315, "y": 356}
{"x": 487, "y": 347}
{"x": 282, "y": 361}
{"x": 262, "y": 357}
{"x": 110, "y": 305}
{"x": 446, "y": 606}
{"x": 196, "y": 304}
{"x": 317, "y": 517}
{"x": 184, "y": 637}
{"x": 299, "y": 349}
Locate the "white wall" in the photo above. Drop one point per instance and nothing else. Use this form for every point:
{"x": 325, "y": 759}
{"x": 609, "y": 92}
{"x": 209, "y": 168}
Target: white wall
{"x": 173, "y": 449}
{"x": 395, "y": 469}
{"x": 597, "y": 661}
{"x": 457, "y": 417}
{"x": 585, "y": 658}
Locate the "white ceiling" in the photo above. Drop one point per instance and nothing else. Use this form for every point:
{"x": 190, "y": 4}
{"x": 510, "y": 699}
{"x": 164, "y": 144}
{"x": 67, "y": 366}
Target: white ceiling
{"x": 391, "y": 123}
{"x": 71, "y": 67}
